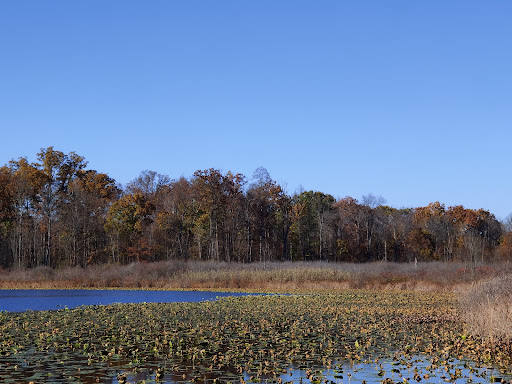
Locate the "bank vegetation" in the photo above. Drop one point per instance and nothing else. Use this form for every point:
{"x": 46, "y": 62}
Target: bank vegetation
{"x": 269, "y": 276}
{"x": 487, "y": 310}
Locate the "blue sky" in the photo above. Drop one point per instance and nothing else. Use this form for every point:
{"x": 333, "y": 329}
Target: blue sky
{"x": 411, "y": 100}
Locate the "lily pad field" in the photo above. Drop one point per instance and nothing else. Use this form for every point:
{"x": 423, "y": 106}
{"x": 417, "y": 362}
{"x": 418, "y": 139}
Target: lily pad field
{"x": 349, "y": 337}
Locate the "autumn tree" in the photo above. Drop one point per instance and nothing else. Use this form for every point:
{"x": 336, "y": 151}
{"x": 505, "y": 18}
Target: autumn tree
{"x": 40, "y": 190}
{"x": 433, "y": 221}
{"x": 504, "y": 252}
{"x": 455, "y": 233}
{"x": 265, "y": 215}
{"x": 83, "y": 217}
{"x": 7, "y": 214}
{"x": 57, "y": 170}
{"x": 24, "y": 236}
{"x": 505, "y": 245}
{"x": 216, "y": 195}
{"x": 180, "y": 221}
{"x": 478, "y": 232}
{"x": 309, "y": 227}
{"x": 372, "y": 220}
{"x": 55, "y": 212}
{"x": 52, "y": 203}
{"x": 350, "y": 231}
{"x": 154, "y": 187}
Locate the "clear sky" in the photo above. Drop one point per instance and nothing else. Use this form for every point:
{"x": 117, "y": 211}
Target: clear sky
{"x": 410, "y": 100}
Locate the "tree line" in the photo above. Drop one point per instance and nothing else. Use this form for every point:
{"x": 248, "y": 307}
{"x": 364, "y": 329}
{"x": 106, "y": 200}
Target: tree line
{"x": 56, "y": 212}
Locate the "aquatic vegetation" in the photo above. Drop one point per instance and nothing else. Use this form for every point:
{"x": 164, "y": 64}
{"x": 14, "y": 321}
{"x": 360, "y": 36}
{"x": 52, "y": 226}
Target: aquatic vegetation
{"x": 252, "y": 338}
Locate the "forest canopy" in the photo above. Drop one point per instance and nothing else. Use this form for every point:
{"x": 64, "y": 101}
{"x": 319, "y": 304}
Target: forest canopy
{"x": 57, "y": 212}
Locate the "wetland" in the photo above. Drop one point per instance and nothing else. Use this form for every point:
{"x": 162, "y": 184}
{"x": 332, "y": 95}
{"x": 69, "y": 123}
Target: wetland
{"x": 352, "y": 336}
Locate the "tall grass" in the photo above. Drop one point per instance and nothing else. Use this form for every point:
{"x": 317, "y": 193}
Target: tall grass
{"x": 257, "y": 276}
{"x": 487, "y": 309}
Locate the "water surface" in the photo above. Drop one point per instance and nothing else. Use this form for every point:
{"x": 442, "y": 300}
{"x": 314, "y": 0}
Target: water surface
{"x": 422, "y": 369}
{"x": 20, "y": 300}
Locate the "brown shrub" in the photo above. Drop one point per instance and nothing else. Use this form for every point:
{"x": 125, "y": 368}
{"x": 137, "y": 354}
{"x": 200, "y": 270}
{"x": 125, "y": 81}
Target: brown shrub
{"x": 487, "y": 309}
{"x": 195, "y": 274}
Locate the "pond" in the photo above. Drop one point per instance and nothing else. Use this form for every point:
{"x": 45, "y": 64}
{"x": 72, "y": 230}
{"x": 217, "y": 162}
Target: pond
{"x": 53, "y": 299}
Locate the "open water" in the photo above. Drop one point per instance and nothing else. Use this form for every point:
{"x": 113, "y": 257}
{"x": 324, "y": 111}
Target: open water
{"x": 20, "y": 300}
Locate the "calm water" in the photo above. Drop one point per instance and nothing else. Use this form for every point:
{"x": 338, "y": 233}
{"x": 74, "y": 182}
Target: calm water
{"x": 413, "y": 370}
{"x": 48, "y": 299}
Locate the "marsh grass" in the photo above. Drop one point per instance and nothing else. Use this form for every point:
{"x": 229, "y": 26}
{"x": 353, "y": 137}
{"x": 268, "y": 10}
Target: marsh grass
{"x": 276, "y": 276}
{"x": 487, "y": 309}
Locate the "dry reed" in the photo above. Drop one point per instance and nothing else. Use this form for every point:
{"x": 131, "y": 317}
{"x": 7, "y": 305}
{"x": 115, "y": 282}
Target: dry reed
{"x": 487, "y": 309}
{"x": 276, "y": 276}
